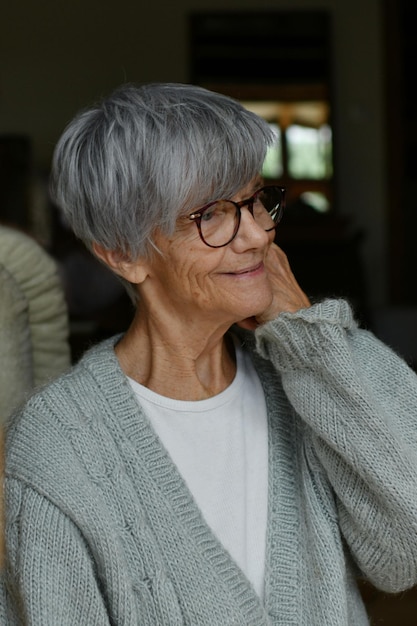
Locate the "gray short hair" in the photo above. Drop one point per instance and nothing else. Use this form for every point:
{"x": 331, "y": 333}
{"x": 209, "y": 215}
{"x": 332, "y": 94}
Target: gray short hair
{"x": 147, "y": 154}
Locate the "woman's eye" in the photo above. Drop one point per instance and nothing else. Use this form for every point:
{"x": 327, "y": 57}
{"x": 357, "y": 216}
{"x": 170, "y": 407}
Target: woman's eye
{"x": 217, "y": 211}
{"x": 208, "y": 215}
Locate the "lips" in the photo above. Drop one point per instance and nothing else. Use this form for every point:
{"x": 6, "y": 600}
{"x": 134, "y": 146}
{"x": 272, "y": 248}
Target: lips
{"x": 249, "y": 270}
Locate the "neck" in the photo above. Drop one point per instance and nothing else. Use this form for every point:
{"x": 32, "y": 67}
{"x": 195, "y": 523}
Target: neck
{"x": 191, "y": 365}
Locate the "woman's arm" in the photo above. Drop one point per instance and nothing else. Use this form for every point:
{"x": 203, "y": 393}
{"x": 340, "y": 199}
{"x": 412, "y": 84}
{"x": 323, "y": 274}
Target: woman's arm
{"x": 359, "y": 401}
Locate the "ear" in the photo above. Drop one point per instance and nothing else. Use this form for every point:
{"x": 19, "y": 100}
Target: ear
{"x": 134, "y": 271}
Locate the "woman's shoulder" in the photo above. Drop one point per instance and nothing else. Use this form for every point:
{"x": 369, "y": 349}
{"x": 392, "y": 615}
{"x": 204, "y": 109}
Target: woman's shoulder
{"x": 65, "y": 411}
{"x": 95, "y": 372}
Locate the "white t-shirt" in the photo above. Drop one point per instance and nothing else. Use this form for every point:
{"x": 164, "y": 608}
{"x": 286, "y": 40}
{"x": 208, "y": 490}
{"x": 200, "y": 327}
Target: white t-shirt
{"x": 220, "y": 447}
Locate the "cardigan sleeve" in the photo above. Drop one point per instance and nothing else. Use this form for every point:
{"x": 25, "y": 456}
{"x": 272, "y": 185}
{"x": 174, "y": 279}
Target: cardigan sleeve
{"x": 47, "y": 582}
{"x": 358, "y": 401}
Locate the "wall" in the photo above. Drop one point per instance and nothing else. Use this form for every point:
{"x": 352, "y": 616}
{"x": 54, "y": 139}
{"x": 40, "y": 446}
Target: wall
{"x": 58, "y": 56}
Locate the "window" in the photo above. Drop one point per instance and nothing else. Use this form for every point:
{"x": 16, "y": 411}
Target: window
{"x": 303, "y": 148}
{"x": 277, "y": 63}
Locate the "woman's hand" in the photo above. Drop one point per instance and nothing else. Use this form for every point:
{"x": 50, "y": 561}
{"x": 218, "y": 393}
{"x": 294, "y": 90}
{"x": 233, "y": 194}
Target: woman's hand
{"x": 287, "y": 293}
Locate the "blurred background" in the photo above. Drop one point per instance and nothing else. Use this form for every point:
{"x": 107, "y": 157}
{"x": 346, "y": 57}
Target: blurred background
{"x": 334, "y": 79}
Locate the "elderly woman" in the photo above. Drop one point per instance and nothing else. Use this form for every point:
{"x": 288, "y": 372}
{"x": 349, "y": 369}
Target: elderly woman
{"x": 239, "y": 456}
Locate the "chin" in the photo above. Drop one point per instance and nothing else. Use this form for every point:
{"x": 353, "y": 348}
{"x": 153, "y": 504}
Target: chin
{"x": 263, "y": 302}
{"x": 247, "y": 303}
{"x": 253, "y": 312}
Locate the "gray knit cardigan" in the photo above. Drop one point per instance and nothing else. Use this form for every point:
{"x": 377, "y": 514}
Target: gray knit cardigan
{"x": 102, "y": 530}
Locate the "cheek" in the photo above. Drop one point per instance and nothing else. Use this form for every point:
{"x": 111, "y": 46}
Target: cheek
{"x": 194, "y": 262}
{"x": 188, "y": 267}
{"x": 188, "y": 273}
{"x": 198, "y": 280}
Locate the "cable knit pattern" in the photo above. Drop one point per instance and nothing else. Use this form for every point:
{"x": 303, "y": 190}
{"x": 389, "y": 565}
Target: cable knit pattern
{"x": 101, "y": 528}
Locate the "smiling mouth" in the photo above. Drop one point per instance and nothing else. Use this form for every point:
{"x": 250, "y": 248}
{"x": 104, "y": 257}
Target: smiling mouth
{"x": 249, "y": 270}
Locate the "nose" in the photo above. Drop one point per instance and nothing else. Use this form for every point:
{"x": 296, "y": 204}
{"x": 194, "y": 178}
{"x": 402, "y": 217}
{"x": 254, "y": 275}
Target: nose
{"x": 250, "y": 234}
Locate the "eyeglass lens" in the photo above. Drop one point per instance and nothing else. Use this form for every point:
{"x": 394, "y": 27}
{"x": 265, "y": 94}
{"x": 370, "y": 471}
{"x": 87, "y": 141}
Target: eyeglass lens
{"x": 220, "y": 220}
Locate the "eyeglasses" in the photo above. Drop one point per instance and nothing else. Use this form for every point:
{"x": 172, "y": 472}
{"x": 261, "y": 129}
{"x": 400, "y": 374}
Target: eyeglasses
{"x": 218, "y": 222}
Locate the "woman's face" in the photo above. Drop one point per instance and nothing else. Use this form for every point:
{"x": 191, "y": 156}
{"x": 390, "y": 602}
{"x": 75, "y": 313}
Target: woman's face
{"x": 194, "y": 282}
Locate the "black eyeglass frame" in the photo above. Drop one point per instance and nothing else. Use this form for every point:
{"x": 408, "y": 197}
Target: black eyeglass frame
{"x": 196, "y": 216}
